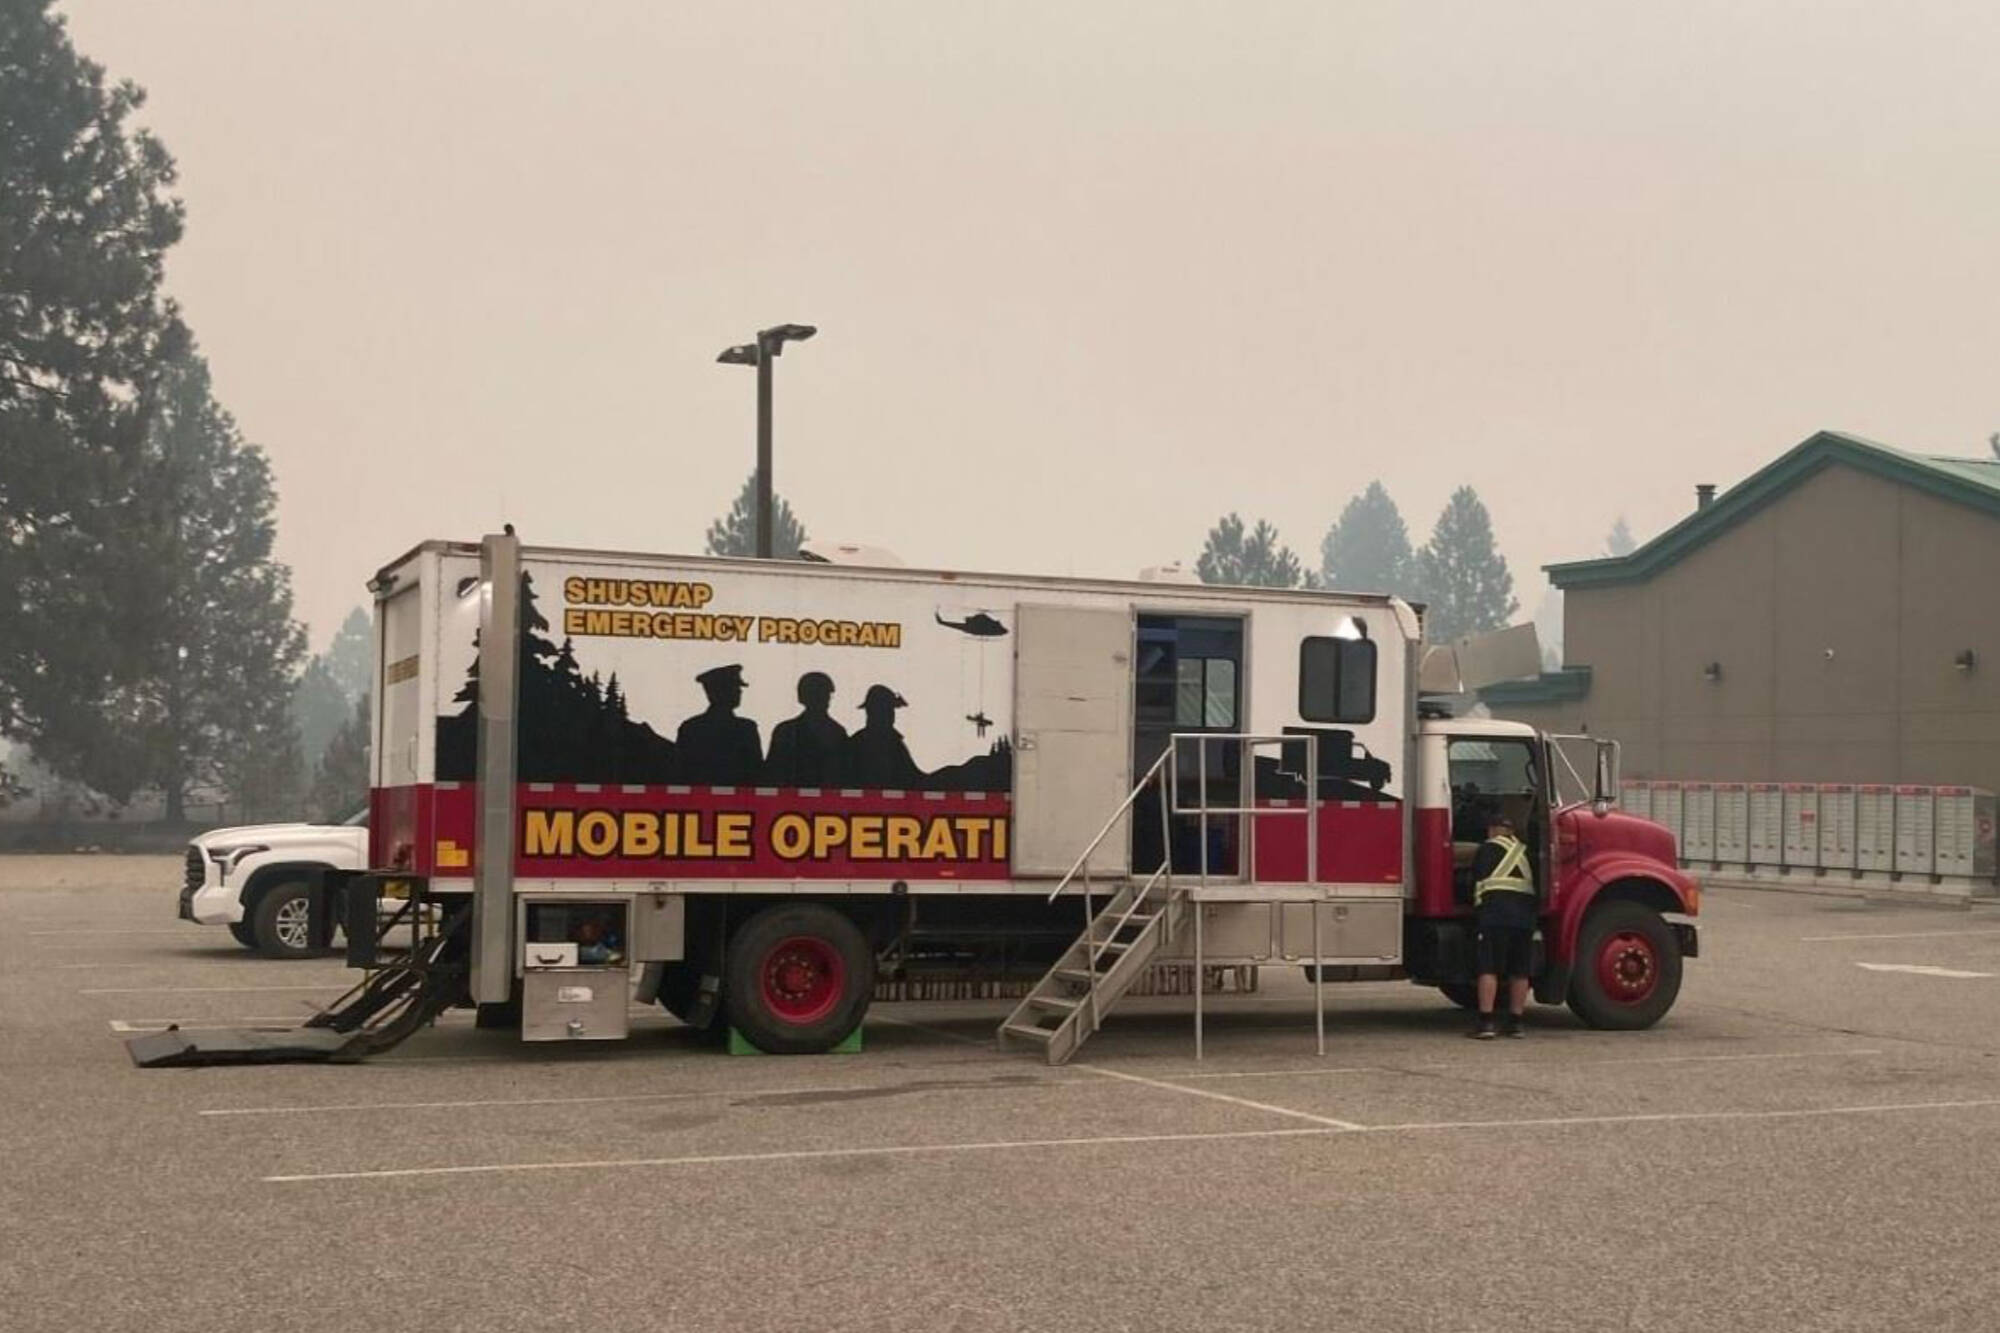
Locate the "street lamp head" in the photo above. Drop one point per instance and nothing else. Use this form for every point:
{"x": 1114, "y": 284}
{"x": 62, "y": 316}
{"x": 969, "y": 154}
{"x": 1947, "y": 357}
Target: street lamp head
{"x": 743, "y": 354}
{"x": 775, "y": 338}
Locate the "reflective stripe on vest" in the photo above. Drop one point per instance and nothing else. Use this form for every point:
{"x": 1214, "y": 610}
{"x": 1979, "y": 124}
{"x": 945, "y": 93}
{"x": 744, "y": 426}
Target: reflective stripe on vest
{"x": 1511, "y": 875}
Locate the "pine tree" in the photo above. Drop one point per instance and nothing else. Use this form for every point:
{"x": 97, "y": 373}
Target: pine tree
{"x": 1256, "y": 559}
{"x": 735, "y": 533}
{"x": 1620, "y": 541}
{"x": 1462, "y": 574}
{"x": 340, "y": 779}
{"x": 319, "y": 708}
{"x": 350, "y": 658}
{"x": 85, "y": 218}
{"x": 1368, "y": 548}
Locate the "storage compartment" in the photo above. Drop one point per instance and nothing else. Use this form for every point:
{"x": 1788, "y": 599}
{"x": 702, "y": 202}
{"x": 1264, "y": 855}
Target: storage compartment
{"x": 594, "y": 930}
{"x": 575, "y": 1004}
{"x": 1368, "y": 930}
{"x": 1801, "y": 837}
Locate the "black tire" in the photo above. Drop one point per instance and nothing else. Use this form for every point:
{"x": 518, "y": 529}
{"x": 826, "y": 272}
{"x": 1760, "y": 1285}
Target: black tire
{"x": 808, "y": 957}
{"x": 1627, "y": 972}
{"x": 1464, "y": 994}
{"x": 245, "y": 932}
{"x": 278, "y": 923}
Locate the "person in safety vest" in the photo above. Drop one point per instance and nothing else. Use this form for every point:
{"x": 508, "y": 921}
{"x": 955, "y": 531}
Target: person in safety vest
{"x": 1504, "y": 902}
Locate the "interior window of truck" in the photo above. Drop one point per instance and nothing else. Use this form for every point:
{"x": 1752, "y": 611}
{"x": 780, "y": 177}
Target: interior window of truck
{"x": 1205, "y": 692}
{"x": 1337, "y": 680}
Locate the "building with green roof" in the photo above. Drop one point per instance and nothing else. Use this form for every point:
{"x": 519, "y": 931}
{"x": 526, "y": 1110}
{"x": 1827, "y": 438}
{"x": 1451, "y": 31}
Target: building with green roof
{"x": 1834, "y": 617}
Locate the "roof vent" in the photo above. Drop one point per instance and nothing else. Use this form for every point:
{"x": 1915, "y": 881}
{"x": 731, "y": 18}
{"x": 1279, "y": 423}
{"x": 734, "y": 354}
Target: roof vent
{"x": 1704, "y": 495}
{"x": 1174, "y": 572}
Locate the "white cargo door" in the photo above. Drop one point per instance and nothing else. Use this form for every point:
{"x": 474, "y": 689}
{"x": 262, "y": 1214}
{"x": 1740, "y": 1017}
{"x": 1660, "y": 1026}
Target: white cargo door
{"x": 1072, "y": 737}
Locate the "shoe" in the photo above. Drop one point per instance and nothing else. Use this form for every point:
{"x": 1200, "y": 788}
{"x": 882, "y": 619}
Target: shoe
{"x": 1485, "y": 1031}
{"x": 1512, "y": 1027}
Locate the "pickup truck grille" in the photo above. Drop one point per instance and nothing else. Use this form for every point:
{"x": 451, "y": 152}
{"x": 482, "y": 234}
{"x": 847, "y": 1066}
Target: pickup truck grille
{"x": 197, "y": 868}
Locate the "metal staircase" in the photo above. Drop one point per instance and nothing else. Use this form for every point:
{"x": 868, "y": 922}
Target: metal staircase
{"x": 1119, "y": 943}
{"x": 1093, "y": 974}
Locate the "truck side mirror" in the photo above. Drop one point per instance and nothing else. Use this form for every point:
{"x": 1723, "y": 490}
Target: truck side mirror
{"x": 1604, "y": 782}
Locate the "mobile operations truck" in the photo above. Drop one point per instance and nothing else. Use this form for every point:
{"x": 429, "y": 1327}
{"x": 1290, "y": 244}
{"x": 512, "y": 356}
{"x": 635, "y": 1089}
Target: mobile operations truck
{"x": 750, "y": 789}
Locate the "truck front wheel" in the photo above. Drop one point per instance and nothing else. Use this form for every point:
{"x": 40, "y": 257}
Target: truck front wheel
{"x": 1628, "y": 967}
{"x": 280, "y": 922}
{"x": 244, "y": 932}
{"x": 797, "y": 979}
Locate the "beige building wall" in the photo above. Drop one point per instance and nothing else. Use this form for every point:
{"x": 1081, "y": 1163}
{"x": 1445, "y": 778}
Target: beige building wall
{"x": 1834, "y": 615}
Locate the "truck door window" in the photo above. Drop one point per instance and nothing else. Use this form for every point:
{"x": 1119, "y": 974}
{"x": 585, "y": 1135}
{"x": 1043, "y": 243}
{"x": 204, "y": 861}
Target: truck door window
{"x": 1337, "y": 680}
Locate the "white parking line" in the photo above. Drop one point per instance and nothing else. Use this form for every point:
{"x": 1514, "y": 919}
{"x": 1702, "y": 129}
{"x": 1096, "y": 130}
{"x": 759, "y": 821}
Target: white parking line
{"x": 1906, "y": 935}
{"x": 1921, "y": 970}
{"x": 84, "y": 934}
{"x": 1536, "y": 1064}
{"x": 1327, "y": 1121}
{"x": 1117, "y": 1140}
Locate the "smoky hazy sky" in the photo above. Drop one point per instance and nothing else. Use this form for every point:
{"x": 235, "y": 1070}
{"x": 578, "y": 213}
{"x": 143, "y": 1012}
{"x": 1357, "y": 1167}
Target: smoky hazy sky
{"x": 1087, "y": 274}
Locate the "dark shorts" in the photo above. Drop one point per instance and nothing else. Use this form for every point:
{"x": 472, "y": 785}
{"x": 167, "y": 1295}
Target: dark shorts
{"x": 1505, "y": 951}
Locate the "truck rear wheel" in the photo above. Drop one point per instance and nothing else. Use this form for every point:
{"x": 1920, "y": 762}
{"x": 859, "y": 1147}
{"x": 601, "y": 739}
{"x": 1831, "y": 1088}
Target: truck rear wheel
{"x": 797, "y": 979}
{"x": 1628, "y": 967}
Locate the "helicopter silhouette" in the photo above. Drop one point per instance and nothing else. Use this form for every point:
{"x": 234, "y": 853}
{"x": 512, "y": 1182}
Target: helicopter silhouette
{"x": 979, "y": 625}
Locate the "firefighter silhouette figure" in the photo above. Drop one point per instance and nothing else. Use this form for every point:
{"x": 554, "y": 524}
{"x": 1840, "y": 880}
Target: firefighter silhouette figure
{"x": 717, "y": 747}
{"x": 806, "y": 750}
{"x": 876, "y": 755}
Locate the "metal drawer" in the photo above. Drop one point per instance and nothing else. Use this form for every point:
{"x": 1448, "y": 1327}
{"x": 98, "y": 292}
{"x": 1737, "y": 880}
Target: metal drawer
{"x": 576, "y": 1004}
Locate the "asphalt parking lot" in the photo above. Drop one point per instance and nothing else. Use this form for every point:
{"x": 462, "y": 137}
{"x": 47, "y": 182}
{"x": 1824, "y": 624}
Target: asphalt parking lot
{"x": 1810, "y": 1141}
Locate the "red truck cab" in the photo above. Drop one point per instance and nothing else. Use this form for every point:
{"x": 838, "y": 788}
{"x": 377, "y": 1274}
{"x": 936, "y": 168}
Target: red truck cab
{"x": 1614, "y": 901}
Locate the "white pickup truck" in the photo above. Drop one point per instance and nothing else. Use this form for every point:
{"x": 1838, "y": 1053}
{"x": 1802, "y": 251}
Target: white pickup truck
{"x": 253, "y": 879}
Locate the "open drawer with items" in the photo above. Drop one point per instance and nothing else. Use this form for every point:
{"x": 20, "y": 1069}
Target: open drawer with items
{"x": 576, "y": 974}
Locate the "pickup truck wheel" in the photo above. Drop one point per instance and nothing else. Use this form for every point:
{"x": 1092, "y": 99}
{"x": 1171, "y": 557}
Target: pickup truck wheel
{"x": 797, "y": 979}
{"x": 245, "y": 933}
{"x": 1628, "y": 967}
{"x": 279, "y": 923}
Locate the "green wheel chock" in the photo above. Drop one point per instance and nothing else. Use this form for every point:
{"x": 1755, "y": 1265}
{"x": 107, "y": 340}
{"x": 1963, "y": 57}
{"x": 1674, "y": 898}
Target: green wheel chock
{"x": 849, "y": 1045}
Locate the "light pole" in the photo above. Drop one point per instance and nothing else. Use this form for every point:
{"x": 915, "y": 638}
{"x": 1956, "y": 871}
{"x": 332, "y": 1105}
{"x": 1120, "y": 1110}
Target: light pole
{"x": 769, "y": 346}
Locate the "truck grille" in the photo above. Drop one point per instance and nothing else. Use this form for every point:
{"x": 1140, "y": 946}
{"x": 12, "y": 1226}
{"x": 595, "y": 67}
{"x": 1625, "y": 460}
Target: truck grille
{"x": 196, "y": 869}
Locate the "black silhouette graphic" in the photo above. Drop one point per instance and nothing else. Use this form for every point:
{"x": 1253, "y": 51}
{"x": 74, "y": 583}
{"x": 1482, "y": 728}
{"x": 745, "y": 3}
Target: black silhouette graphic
{"x": 576, "y": 726}
{"x": 1347, "y": 771}
{"x": 876, "y": 755}
{"x": 716, "y": 746}
{"x": 806, "y": 750}
{"x": 572, "y": 728}
{"x": 979, "y": 625}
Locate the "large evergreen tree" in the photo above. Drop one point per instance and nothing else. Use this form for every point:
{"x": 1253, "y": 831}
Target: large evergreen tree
{"x": 1255, "y": 558}
{"x": 85, "y": 216}
{"x": 319, "y": 708}
{"x": 350, "y": 658}
{"x": 213, "y": 703}
{"x": 340, "y": 779}
{"x": 735, "y": 533}
{"x": 1620, "y": 541}
{"x": 1462, "y": 574}
{"x": 1368, "y": 548}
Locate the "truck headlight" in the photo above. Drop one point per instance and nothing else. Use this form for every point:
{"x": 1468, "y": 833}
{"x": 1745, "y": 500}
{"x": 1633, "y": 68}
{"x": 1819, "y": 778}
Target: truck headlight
{"x": 227, "y": 857}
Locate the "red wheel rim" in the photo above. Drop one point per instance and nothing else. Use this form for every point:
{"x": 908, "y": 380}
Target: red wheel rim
{"x": 1628, "y": 967}
{"x": 803, "y": 979}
